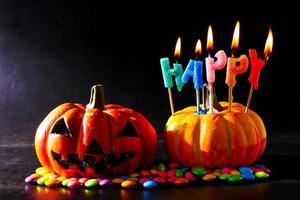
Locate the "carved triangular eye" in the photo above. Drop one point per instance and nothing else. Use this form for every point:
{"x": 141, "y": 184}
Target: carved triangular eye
{"x": 61, "y": 128}
{"x": 129, "y": 131}
{"x": 94, "y": 148}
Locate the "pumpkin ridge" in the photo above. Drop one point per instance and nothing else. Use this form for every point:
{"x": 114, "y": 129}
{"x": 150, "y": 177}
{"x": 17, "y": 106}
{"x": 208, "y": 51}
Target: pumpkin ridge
{"x": 257, "y": 133}
{"x": 243, "y": 134}
{"x": 198, "y": 152}
{"x": 177, "y": 136}
{"x": 229, "y": 139}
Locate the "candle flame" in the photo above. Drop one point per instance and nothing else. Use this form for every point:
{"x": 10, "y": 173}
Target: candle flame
{"x": 210, "y": 42}
{"x": 198, "y": 49}
{"x": 269, "y": 45}
{"x": 177, "y": 48}
{"x": 235, "y": 39}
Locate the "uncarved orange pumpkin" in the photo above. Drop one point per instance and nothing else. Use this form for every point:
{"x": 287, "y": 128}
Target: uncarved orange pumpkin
{"x": 228, "y": 139}
{"x": 95, "y": 140}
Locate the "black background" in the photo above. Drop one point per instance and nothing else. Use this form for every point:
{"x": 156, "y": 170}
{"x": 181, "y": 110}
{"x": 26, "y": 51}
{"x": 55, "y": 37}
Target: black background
{"x": 52, "y": 52}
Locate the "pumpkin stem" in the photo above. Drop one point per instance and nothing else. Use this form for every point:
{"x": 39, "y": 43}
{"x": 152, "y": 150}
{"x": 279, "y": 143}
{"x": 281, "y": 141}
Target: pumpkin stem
{"x": 216, "y": 103}
{"x": 97, "y": 98}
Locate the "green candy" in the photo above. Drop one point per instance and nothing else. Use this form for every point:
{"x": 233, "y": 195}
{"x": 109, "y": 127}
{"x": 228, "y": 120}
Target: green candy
{"x": 162, "y": 167}
{"x": 66, "y": 182}
{"x": 42, "y": 180}
{"x": 262, "y": 175}
{"x": 91, "y": 183}
{"x": 235, "y": 179}
{"x": 179, "y": 173}
{"x": 224, "y": 177}
{"x": 199, "y": 171}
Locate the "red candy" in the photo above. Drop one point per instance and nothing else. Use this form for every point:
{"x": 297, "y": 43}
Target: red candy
{"x": 163, "y": 174}
{"x": 181, "y": 181}
{"x": 145, "y": 173}
{"x": 159, "y": 180}
{"x": 74, "y": 184}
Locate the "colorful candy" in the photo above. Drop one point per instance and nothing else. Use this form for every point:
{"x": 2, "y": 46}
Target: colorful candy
{"x": 181, "y": 181}
{"x": 209, "y": 177}
{"x": 105, "y": 182}
{"x": 128, "y": 184}
{"x": 74, "y": 184}
{"x": 51, "y": 182}
{"x": 199, "y": 171}
{"x": 117, "y": 181}
{"x": 262, "y": 175}
{"x": 154, "y": 177}
{"x": 91, "y": 183}
{"x": 235, "y": 179}
{"x": 150, "y": 184}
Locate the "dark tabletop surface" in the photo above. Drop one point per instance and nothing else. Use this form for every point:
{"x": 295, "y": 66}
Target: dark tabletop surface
{"x": 52, "y": 52}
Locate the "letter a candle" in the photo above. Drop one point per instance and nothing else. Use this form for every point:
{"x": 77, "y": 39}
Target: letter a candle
{"x": 235, "y": 65}
{"x": 194, "y": 69}
{"x": 212, "y": 65}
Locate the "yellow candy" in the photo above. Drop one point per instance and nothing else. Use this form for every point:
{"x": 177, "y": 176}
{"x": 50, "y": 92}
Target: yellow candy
{"x": 48, "y": 174}
{"x": 42, "y": 171}
{"x": 235, "y": 173}
{"x": 128, "y": 184}
{"x": 61, "y": 178}
{"x": 51, "y": 182}
{"x": 209, "y": 177}
{"x": 117, "y": 180}
{"x": 42, "y": 180}
{"x": 216, "y": 173}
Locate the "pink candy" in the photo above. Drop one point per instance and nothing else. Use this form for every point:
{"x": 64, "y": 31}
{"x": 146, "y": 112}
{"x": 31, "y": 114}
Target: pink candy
{"x": 159, "y": 180}
{"x": 74, "y": 184}
{"x": 171, "y": 172}
{"x": 189, "y": 175}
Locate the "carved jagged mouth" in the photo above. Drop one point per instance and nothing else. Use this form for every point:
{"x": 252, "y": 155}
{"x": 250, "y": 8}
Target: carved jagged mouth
{"x": 90, "y": 161}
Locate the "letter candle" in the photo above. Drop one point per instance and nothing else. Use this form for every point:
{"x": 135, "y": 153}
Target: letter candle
{"x": 257, "y": 64}
{"x": 194, "y": 69}
{"x": 212, "y": 65}
{"x": 235, "y": 65}
{"x": 167, "y": 73}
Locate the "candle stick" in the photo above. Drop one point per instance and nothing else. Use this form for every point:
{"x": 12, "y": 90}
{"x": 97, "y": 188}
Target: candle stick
{"x": 167, "y": 73}
{"x": 211, "y": 66}
{"x": 194, "y": 69}
{"x": 256, "y": 66}
{"x": 235, "y": 65}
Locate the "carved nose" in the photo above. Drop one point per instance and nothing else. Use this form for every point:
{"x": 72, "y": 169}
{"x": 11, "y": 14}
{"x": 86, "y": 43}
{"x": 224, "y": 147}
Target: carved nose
{"x": 94, "y": 148}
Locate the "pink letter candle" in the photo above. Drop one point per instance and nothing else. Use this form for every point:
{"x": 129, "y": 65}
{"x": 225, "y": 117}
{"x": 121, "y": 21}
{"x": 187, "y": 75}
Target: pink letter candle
{"x": 211, "y": 66}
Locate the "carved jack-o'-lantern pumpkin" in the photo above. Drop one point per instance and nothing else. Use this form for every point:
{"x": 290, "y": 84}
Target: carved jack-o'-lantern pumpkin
{"x": 227, "y": 139}
{"x": 95, "y": 140}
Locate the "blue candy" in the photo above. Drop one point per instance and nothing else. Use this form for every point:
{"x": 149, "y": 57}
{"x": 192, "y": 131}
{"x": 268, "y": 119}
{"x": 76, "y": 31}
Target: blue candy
{"x": 184, "y": 169}
{"x": 125, "y": 177}
{"x": 248, "y": 176}
{"x": 150, "y": 184}
{"x": 245, "y": 170}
